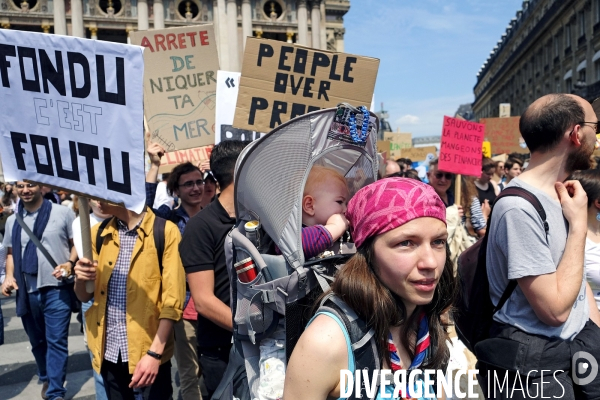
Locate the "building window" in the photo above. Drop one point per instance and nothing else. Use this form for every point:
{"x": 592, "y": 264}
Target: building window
{"x": 568, "y": 35}
{"x": 581, "y": 75}
{"x": 597, "y": 69}
{"x": 569, "y": 85}
{"x": 557, "y": 84}
{"x": 556, "y": 49}
{"x": 597, "y": 18}
{"x": 581, "y": 23}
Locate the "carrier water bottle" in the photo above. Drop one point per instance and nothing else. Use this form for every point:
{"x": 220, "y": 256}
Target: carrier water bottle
{"x": 252, "y": 229}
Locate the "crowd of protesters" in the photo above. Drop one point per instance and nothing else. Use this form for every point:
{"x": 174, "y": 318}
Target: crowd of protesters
{"x": 161, "y": 287}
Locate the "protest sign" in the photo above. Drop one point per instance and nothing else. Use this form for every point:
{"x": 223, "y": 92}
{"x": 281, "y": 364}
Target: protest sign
{"x": 460, "y": 151}
{"x": 172, "y": 159}
{"x": 383, "y": 146}
{"x": 398, "y": 141}
{"x": 72, "y": 115}
{"x": 504, "y": 135}
{"x": 281, "y": 81}
{"x": 180, "y": 85}
{"x": 418, "y": 153}
{"x": 228, "y": 85}
{"x": 486, "y": 149}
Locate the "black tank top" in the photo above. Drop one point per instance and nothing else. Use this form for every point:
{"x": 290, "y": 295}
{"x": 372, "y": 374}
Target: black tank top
{"x": 488, "y": 194}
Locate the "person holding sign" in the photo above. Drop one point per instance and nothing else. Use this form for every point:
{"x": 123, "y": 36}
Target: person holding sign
{"x": 138, "y": 294}
{"x": 45, "y": 298}
{"x": 185, "y": 181}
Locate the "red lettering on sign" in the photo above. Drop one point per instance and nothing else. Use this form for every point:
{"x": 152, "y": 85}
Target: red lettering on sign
{"x": 146, "y": 43}
{"x": 181, "y": 40}
{"x": 159, "y": 41}
{"x": 171, "y": 40}
{"x": 203, "y": 38}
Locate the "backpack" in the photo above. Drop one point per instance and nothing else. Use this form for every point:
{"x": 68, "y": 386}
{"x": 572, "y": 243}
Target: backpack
{"x": 159, "y": 237}
{"x": 474, "y": 309}
{"x": 271, "y": 311}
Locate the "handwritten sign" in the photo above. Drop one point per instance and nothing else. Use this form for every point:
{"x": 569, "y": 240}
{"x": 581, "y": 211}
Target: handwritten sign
{"x": 383, "y": 146}
{"x": 281, "y": 81}
{"x": 418, "y": 153}
{"x": 180, "y": 85}
{"x": 460, "y": 151}
{"x": 72, "y": 115}
{"x": 398, "y": 141}
{"x": 172, "y": 159}
{"x": 504, "y": 135}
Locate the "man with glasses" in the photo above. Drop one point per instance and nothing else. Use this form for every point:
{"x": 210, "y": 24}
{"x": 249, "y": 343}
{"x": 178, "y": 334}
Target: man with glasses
{"x": 547, "y": 320}
{"x": 45, "y": 297}
{"x": 441, "y": 182}
{"x": 185, "y": 181}
{"x": 486, "y": 187}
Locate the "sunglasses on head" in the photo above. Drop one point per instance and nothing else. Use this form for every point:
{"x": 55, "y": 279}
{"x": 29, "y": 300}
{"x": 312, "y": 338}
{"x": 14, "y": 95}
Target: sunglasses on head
{"x": 447, "y": 175}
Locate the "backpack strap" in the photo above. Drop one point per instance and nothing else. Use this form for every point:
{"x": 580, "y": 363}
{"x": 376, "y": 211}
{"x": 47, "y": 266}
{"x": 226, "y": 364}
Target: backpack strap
{"x": 159, "y": 238}
{"x": 362, "y": 338}
{"x": 523, "y": 193}
{"x": 99, "y": 241}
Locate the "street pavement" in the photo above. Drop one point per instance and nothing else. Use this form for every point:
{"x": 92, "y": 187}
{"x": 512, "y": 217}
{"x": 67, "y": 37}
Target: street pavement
{"x": 18, "y": 372}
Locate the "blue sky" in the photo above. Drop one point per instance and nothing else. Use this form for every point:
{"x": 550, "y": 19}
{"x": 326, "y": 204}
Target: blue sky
{"x": 430, "y": 52}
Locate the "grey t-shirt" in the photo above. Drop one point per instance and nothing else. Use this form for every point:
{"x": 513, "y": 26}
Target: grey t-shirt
{"x": 518, "y": 247}
{"x": 55, "y": 239}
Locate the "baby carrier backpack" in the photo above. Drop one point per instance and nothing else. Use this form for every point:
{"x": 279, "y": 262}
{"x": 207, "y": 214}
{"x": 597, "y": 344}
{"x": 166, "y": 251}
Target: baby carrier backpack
{"x": 272, "y": 305}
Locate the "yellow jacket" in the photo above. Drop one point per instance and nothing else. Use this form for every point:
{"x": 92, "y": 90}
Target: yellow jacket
{"x": 150, "y": 296}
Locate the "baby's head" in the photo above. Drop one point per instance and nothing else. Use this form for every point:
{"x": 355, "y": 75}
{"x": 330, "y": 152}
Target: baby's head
{"x": 325, "y": 194}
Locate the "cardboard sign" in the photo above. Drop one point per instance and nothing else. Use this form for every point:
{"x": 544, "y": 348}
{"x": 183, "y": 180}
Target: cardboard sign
{"x": 281, "y": 81}
{"x": 172, "y": 159}
{"x": 504, "y": 135}
{"x": 72, "y": 115}
{"x": 383, "y": 146}
{"x": 228, "y": 85}
{"x": 180, "y": 85}
{"x": 398, "y": 141}
{"x": 460, "y": 151}
{"x": 419, "y": 153}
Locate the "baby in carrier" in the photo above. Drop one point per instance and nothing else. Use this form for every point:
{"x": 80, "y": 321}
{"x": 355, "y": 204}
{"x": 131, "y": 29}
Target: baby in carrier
{"x": 324, "y": 203}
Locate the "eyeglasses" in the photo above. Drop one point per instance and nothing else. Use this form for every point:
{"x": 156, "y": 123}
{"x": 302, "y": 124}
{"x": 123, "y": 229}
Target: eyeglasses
{"x": 597, "y": 128}
{"x": 190, "y": 184}
{"x": 27, "y": 185}
{"x": 447, "y": 175}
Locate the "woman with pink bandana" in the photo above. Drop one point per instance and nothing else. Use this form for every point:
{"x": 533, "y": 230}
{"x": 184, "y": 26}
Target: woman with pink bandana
{"x": 399, "y": 283}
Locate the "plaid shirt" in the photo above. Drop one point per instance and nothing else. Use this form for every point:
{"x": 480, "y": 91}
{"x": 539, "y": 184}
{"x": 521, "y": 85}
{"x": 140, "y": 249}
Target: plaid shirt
{"x": 116, "y": 307}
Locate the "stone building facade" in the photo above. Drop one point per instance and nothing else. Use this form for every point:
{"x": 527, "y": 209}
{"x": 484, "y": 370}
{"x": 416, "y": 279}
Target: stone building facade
{"x": 551, "y": 46}
{"x": 314, "y": 23}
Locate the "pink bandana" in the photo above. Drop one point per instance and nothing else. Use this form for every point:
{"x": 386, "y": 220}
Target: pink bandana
{"x": 388, "y": 203}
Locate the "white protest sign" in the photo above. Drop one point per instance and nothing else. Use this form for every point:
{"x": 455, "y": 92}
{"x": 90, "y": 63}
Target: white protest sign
{"x": 228, "y": 85}
{"x": 72, "y": 115}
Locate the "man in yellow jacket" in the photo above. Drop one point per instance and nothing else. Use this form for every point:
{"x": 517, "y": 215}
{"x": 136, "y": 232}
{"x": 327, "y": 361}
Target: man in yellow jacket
{"x": 130, "y": 325}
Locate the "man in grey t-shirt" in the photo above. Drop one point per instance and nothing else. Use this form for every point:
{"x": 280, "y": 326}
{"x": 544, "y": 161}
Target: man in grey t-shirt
{"x": 44, "y": 295}
{"x": 552, "y": 300}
